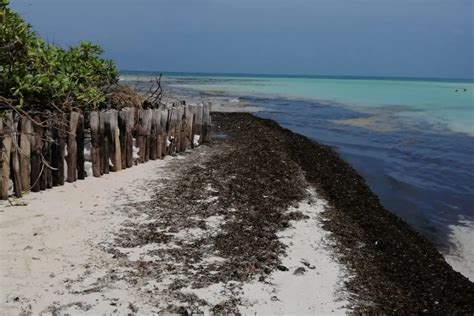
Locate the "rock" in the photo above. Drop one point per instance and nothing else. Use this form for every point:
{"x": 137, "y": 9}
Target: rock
{"x": 307, "y": 264}
{"x": 299, "y": 271}
{"x": 267, "y": 270}
{"x": 282, "y": 268}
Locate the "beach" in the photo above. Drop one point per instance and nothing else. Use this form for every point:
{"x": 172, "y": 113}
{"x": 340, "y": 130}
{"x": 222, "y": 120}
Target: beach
{"x": 411, "y": 139}
{"x": 239, "y": 225}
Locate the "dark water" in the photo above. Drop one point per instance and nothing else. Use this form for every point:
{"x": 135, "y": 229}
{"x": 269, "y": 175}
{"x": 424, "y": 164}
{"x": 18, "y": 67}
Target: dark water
{"x": 426, "y": 178}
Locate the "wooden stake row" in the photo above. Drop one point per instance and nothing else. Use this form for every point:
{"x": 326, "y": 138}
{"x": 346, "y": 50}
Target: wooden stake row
{"x": 39, "y": 153}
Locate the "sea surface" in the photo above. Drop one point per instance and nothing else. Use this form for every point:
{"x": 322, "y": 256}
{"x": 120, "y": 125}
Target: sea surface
{"x": 412, "y": 140}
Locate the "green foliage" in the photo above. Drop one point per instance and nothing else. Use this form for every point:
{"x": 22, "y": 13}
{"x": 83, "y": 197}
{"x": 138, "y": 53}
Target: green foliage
{"x": 37, "y": 75}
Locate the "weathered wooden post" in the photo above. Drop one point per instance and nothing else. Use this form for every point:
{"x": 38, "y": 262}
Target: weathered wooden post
{"x": 197, "y": 126}
{"x": 62, "y": 140}
{"x": 179, "y": 122}
{"x": 36, "y": 149}
{"x": 122, "y": 125}
{"x": 114, "y": 140}
{"x": 15, "y": 156}
{"x": 172, "y": 131}
{"x": 154, "y": 134}
{"x": 104, "y": 143}
{"x": 144, "y": 128}
{"x": 190, "y": 122}
{"x": 164, "y": 132}
{"x": 72, "y": 148}
{"x": 95, "y": 143}
{"x": 81, "y": 172}
{"x": 206, "y": 123}
{"x": 25, "y": 146}
{"x": 5, "y": 147}
{"x": 130, "y": 123}
{"x": 159, "y": 134}
{"x": 57, "y": 152}
{"x": 149, "y": 116}
{"x": 46, "y": 181}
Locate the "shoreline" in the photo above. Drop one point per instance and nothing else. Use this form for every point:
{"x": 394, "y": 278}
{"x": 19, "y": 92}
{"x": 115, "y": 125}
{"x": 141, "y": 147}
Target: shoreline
{"x": 406, "y": 272}
{"x": 234, "y": 208}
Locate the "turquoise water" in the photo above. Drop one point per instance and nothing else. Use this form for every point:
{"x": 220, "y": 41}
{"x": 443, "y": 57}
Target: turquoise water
{"x": 447, "y": 104}
{"x": 412, "y": 140}
{"x": 435, "y": 102}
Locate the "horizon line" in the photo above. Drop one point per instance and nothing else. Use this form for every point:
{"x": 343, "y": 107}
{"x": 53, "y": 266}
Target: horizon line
{"x": 241, "y": 74}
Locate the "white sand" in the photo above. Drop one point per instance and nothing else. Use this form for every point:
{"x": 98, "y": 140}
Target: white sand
{"x": 461, "y": 257}
{"x": 51, "y": 259}
{"x": 52, "y": 242}
{"x": 316, "y": 292}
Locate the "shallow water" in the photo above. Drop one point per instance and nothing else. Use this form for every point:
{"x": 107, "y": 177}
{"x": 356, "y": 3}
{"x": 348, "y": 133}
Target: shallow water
{"x": 412, "y": 140}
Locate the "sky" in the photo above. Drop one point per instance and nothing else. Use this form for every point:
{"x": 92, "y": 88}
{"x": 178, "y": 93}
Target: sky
{"x": 401, "y": 38}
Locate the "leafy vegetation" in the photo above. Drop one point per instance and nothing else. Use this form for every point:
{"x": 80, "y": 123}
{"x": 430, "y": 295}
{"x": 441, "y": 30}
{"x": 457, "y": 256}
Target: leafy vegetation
{"x": 35, "y": 75}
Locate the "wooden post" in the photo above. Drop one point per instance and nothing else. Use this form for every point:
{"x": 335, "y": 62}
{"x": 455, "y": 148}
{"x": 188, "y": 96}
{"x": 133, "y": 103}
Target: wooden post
{"x": 36, "y": 149}
{"x": 46, "y": 181}
{"x": 55, "y": 153}
{"x": 197, "y": 126}
{"x": 62, "y": 127}
{"x": 179, "y": 121}
{"x": 141, "y": 135}
{"x": 95, "y": 143}
{"x": 206, "y": 123}
{"x": 122, "y": 126}
{"x": 144, "y": 128}
{"x": 25, "y": 146}
{"x": 104, "y": 143}
{"x": 81, "y": 172}
{"x": 72, "y": 148}
{"x": 6, "y": 140}
{"x": 130, "y": 123}
{"x": 190, "y": 122}
{"x": 172, "y": 123}
{"x": 114, "y": 140}
{"x": 15, "y": 157}
{"x": 164, "y": 131}
{"x": 154, "y": 134}
{"x": 149, "y": 116}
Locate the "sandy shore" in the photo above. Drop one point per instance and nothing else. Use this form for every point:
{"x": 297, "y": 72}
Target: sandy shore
{"x": 274, "y": 224}
{"x": 85, "y": 249}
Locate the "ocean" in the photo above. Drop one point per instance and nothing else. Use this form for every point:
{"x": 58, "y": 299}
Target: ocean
{"x": 411, "y": 139}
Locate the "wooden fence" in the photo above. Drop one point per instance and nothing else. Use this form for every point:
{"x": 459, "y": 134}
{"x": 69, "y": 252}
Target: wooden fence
{"x": 40, "y": 152}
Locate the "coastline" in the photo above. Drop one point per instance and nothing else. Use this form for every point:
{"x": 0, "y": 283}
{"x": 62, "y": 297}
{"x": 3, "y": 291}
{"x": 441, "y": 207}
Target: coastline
{"x": 396, "y": 268}
{"x": 237, "y": 207}
{"x": 422, "y": 173}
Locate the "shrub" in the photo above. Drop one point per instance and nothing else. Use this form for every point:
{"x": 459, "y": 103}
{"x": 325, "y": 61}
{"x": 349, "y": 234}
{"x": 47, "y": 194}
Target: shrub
{"x": 35, "y": 75}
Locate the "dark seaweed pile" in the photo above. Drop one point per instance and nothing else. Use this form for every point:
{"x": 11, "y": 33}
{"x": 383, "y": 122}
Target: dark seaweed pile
{"x": 396, "y": 269}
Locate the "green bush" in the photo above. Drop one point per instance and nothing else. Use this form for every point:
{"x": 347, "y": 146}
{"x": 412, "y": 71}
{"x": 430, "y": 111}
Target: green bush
{"x": 39, "y": 76}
